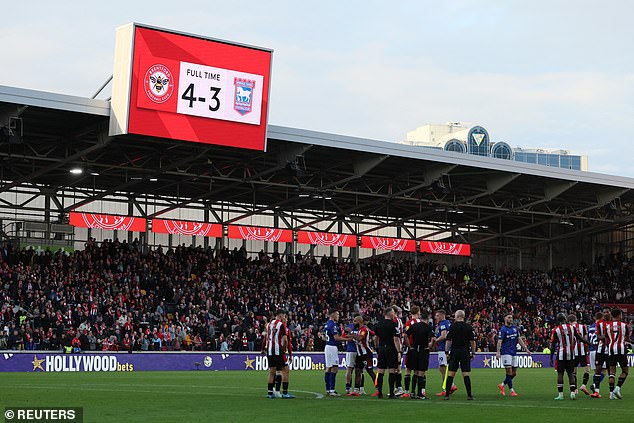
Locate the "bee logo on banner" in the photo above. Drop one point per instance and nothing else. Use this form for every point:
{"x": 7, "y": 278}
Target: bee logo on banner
{"x": 243, "y": 97}
{"x": 158, "y": 83}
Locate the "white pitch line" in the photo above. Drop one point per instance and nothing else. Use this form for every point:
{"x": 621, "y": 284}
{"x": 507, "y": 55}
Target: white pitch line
{"x": 96, "y": 387}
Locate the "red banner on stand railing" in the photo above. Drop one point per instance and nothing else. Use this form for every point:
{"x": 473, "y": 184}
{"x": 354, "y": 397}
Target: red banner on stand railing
{"x": 258, "y": 233}
{"x": 186, "y": 227}
{"x": 107, "y": 221}
{"x": 390, "y": 244}
{"x": 445, "y": 248}
{"x": 325, "y": 238}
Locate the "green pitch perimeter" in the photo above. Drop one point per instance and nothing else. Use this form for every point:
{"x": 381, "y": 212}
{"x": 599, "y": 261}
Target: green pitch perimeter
{"x": 201, "y": 396}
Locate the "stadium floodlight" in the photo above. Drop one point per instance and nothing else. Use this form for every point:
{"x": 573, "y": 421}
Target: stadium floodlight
{"x": 76, "y": 170}
{"x": 93, "y": 173}
{"x": 304, "y": 195}
{"x": 153, "y": 179}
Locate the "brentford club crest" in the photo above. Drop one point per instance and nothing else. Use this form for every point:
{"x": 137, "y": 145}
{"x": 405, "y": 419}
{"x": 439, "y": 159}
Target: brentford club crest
{"x": 108, "y": 222}
{"x": 158, "y": 83}
{"x": 187, "y": 228}
{"x": 260, "y": 234}
{"x": 392, "y": 244}
{"x": 243, "y": 95}
{"x": 331, "y": 240}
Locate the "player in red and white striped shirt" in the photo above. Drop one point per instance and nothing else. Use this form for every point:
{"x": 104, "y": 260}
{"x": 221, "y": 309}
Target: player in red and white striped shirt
{"x": 618, "y": 335}
{"x": 364, "y": 354}
{"x": 564, "y": 341}
{"x": 275, "y": 345}
{"x": 581, "y": 353}
{"x": 278, "y": 374}
{"x": 601, "y": 360}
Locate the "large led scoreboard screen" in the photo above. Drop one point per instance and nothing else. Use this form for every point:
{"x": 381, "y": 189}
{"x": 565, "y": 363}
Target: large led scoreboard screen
{"x": 185, "y": 87}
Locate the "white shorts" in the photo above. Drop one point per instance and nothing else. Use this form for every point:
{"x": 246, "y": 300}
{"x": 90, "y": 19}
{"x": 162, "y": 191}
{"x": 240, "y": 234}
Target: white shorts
{"x": 442, "y": 358}
{"x": 592, "y": 358}
{"x": 510, "y": 360}
{"x": 332, "y": 356}
{"x": 351, "y": 358}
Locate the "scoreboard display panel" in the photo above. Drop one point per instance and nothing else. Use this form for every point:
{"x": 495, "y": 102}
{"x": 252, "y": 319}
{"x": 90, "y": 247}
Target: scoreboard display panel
{"x": 185, "y": 87}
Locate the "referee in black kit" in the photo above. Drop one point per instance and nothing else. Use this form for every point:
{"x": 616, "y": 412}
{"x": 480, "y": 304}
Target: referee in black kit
{"x": 387, "y": 339}
{"x": 461, "y": 347}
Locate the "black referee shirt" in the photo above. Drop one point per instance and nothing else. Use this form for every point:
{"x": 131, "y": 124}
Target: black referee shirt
{"x": 420, "y": 334}
{"x": 386, "y": 330}
{"x": 460, "y": 334}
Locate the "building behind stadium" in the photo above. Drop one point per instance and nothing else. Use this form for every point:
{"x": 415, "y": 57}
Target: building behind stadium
{"x": 462, "y": 138}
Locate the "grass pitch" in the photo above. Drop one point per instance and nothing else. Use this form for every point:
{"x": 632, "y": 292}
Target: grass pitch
{"x": 199, "y": 396}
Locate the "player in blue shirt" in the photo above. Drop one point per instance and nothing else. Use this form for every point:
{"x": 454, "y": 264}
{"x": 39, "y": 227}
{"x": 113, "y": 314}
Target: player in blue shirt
{"x": 351, "y": 357}
{"x": 592, "y": 349}
{"x": 333, "y": 337}
{"x": 508, "y": 339}
{"x": 442, "y": 328}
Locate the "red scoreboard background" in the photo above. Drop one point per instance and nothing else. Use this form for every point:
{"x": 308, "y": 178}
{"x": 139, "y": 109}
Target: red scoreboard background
{"x": 185, "y": 87}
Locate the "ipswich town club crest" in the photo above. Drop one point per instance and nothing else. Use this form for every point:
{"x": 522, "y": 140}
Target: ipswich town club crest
{"x": 243, "y": 97}
{"x": 158, "y": 83}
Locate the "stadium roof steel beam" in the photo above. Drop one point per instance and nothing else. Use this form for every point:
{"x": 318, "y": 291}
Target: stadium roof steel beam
{"x": 283, "y": 160}
{"x": 512, "y": 231}
{"x": 101, "y": 143}
{"x": 132, "y": 182}
{"x": 493, "y": 184}
{"x": 377, "y": 183}
{"x": 618, "y": 223}
{"x": 551, "y": 192}
{"x": 430, "y": 176}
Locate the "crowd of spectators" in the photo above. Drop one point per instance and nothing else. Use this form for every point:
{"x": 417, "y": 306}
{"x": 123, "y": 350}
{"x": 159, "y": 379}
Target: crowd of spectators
{"x": 111, "y": 296}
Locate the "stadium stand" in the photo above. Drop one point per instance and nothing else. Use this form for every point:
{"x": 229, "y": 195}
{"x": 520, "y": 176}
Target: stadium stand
{"x": 112, "y": 297}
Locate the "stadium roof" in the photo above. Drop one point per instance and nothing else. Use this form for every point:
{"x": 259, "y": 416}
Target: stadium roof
{"x": 335, "y": 178}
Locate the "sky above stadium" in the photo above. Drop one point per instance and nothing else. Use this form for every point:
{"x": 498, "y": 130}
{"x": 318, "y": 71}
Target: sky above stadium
{"x": 551, "y": 74}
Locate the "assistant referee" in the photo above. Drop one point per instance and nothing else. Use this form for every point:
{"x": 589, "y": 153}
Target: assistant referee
{"x": 461, "y": 346}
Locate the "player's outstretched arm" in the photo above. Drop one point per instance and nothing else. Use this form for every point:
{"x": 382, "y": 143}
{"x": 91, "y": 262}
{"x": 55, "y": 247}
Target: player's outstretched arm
{"x": 582, "y": 339}
{"x": 522, "y": 344}
{"x": 355, "y": 336}
{"x": 263, "y": 345}
{"x": 397, "y": 344}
